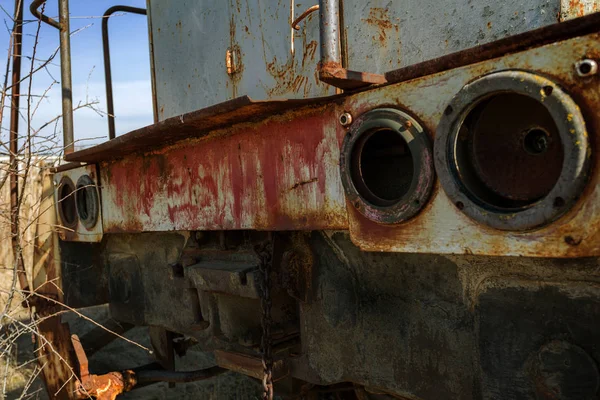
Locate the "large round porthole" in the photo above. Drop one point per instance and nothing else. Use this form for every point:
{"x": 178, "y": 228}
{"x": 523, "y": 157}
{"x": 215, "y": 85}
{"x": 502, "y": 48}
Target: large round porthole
{"x": 87, "y": 201}
{"x": 512, "y": 151}
{"x": 387, "y": 166}
{"x": 66, "y": 203}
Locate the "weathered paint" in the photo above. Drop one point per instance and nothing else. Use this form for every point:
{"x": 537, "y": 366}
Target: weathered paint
{"x": 570, "y": 9}
{"x": 383, "y": 35}
{"x": 441, "y": 227}
{"x": 190, "y": 39}
{"x": 283, "y": 173}
{"x": 256, "y": 176}
{"x": 79, "y": 233}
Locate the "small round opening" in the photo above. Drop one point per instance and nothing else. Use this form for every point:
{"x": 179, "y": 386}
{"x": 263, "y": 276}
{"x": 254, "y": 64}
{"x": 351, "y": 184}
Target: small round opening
{"x": 508, "y": 151}
{"x": 87, "y": 201}
{"x": 66, "y": 202}
{"x": 585, "y": 68}
{"x": 383, "y": 167}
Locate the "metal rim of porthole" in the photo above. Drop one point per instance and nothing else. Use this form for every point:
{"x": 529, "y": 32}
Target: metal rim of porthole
{"x": 67, "y": 209}
{"x": 370, "y": 193}
{"x": 572, "y": 134}
{"x": 87, "y": 201}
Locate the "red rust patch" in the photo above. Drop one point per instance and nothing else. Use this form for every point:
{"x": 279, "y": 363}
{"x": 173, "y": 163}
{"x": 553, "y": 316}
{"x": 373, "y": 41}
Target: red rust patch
{"x": 236, "y": 181}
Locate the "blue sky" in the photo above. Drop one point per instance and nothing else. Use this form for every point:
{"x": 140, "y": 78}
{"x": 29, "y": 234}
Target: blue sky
{"x": 130, "y": 67}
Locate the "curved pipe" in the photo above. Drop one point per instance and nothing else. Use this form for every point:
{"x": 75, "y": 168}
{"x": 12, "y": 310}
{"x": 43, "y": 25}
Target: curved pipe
{"x": 65, "y": 66}
{"x": 304, "y": 15}
{"x": 110, "y": 108}
{"x": 35, "y": 4}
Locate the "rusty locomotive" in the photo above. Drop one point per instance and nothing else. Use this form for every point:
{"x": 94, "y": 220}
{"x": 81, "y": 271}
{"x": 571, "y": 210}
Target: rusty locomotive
{"x": 362, "y": 200}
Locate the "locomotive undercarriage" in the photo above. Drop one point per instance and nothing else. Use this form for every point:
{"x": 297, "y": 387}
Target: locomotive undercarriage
{"x": 406, "y": 325}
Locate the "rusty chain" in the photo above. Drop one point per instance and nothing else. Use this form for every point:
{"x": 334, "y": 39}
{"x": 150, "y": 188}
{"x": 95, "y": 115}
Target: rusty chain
{"x": 265, "y": 255}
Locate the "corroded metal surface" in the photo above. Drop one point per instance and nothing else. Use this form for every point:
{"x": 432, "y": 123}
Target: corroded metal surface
{"x": 100, "y": 387}
{"x": 499, "y": 48}
{"x": 270, "y": 175}
{"x": 282, "y": 173}
{"x": 274, "y": 60}
{"x": 195, "y": 124}
{"x": 277, "y": 61}
{"x": 385, "y": 35}
{"x": 441, "y": 227}
{"x": 570, "y": 9}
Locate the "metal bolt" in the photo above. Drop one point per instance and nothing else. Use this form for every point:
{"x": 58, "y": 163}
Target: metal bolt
{"x": 345, "y": 119}
{"x": 586, "y": 67}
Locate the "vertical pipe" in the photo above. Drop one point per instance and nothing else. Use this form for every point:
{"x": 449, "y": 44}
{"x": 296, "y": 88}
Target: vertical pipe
{"x": 329, "y": 32}
{"x": 110, "y": 109}
{"x": 65, "y": 76}
{"x": 152, "y": 67}
{"x": 17, "y": 37}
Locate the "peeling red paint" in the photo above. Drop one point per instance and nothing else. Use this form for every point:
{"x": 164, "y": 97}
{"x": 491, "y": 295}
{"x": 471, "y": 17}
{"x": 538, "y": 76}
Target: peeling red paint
{"x": 228, "y": 181}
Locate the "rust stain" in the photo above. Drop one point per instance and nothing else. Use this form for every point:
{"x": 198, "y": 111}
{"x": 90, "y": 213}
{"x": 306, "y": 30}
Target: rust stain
{"x": 380, "y": 19}
{"x": 576, "y": 7}
{"x": 229, "y": 180}
{"x": 297, "y": 185}
{"x": 286, "y": 77}
{"x": 100, "y": 387}
{"x": 310, "y": 50}
{"x": 239, "y": 177}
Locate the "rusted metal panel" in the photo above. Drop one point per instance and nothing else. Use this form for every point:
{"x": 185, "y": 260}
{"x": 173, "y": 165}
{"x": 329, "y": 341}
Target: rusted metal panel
{"x": 499, "y": 48}
{"x": 191, "y": 125}
{"x": 280, "y": 174}
{"x": 385, "y": 35}
{"x": 570, "y": 9}
{"x": 273, "y": 59}
{"x": 243, "y": 109}
{"x": 441, "y": 227}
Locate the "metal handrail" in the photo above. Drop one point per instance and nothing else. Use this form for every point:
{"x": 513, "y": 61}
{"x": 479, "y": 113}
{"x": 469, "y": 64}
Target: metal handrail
{"x": 107, "y": 69}
{"x": 35, "y": 4}
{"x": 65, "y": 66}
